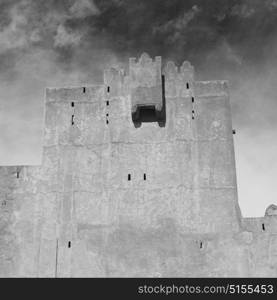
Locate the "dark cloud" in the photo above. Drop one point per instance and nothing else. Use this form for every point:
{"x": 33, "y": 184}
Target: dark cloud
{"x": 69, "y": 42}
{"x": 171, "y": 28}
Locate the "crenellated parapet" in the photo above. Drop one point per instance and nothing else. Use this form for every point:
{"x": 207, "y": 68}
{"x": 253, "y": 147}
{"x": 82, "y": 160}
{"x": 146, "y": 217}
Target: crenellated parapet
{"x": 114, "y": 81}
{"x": 178, "y": 81}
{"x": 145, "y": 72}
{"x": 271, "y": 210}
{"x": 146, "y": 88}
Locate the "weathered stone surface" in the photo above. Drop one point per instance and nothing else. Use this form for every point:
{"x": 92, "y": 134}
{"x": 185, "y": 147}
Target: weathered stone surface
{"x": 271, "y": 210}
{"x": 110, "y": 199}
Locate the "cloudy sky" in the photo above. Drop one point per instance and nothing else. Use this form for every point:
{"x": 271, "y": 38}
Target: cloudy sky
{"x": 69, "y": 42}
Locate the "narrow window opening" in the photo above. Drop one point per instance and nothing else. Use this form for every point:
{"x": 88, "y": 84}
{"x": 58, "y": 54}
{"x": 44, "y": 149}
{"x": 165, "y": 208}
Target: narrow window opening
{"x": 69, "y": 244}
{"x": 17, "y": 174}
{"x": 72, "y": 120}
{"x": 129, "y": 177}
{"x": 263, "y": 227}
{"x": 72, "y": 104}
{"x": 144, "y": 176}
{"x": 107, "y": 103}
{"x": 108, "y": 89}
{"x": 187, "y": 85}
{"x": 201, "y": 245}
{"x": 192, "y": 115}
{"x": 84, "y": 89}
{"x": 192, "y": 99}
{"x": 234, "y": 131}
{"x": 107, "y": 120}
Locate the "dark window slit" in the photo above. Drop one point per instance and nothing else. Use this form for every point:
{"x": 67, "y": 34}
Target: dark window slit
{"x": 263, "y": 227}
{"x": 72, "y": 104}
{"x": 84, "y": 89}
{"x": 72, "y": 120}
{"x": 192, "y": 99}
{"x": 107, "y": 103}
{"x": 187, "y": 85}
{"x": 69, "y": 244}
{"x": 144, "y": 176}
{"x": 129, "y": 177}
{"x": 108, "y": 89}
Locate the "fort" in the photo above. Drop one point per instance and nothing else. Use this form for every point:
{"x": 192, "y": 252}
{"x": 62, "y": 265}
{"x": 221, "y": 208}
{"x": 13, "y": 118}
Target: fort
{"x": 137, "y": 178}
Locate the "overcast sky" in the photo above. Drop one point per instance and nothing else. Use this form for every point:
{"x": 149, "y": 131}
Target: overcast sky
{"x": 69, "y": 42}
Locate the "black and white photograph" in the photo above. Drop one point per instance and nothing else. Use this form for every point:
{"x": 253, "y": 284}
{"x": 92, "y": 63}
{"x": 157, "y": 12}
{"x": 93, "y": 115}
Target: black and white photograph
{"x": 138, "y": 139}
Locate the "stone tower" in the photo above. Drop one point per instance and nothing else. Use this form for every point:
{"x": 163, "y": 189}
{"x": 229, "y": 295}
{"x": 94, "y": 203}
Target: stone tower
{"x": 137, "y": 179}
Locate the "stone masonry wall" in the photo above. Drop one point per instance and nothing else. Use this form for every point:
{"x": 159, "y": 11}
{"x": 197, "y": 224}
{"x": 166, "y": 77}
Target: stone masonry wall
{"x": 112, "y": 199}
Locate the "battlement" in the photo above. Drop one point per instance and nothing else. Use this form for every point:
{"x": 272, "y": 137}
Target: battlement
{"x": 178, "y": 81}
{"x": 145, "y": 72}
{"x": 148, "y": 89}
{"x": 145, "y": 75}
